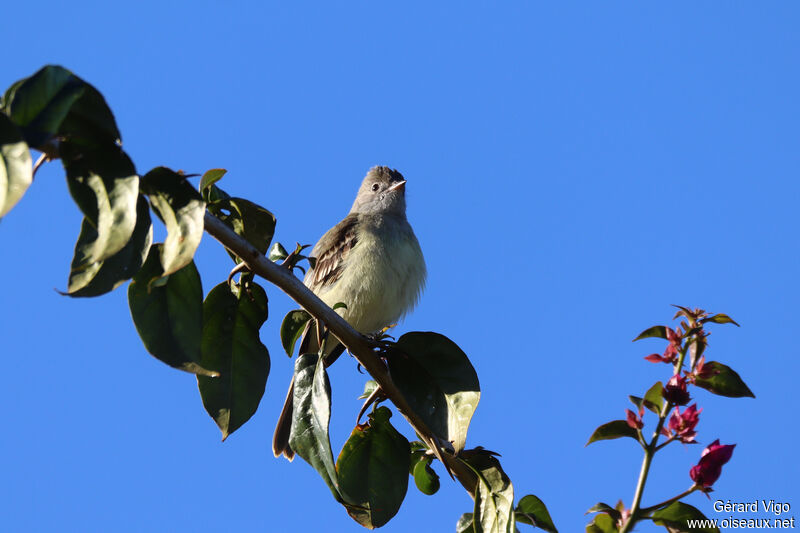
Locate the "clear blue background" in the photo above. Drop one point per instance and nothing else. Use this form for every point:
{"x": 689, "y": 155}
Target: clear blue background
{"x": 573, "y": 169}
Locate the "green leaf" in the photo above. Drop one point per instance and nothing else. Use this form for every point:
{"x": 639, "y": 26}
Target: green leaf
{"x": 465, "y": 524}
{"x": 104, "y": 184}
{"x": 105, "y": 276}
{"x": 232, "y": 347}
{"x": 425, "y": 478}
{"x": 211, "y": 177}
{"x": 532, "y": 511}
{"x": 16, "y": 172}
{"x": 494, "y": 495}
{"x": 602, "y": 523}
{"x": 676, "y": 516}
{"x": 720, "y": 318}
{"x": 311, "y": 417}
{"x": 251, "y": 221}
{"x": 169, "y": 314}
{"x": 373, "y": 470}
{"x": 724, "y": 382}
{"x": 604, "y": 508}
{"x": 438, "y": 382}
{"x": 181, "y": 208}
{"x": 613, "y": 430}
{"x": 653, "y": 399}
{"x": 369, "y": 388}
{"x": 277, "y": 252}
{"x": 54, "y": 102}
{"x": 655, "y": 331}
{"x": 292, "y": 329}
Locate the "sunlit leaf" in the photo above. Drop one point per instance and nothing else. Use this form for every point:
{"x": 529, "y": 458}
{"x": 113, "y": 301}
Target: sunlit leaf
{"x": 724, "y": 381}
{"x": 653, "y": 400}
{"x": 602, "y": 523}
{"x": 104, "y": 184}
{"x": 231, "y": 346}
{"x": 16, "y": 173}
{"x": 311, "y": 417}
{"x": 373, "y": 470}
{"x": 532, "y": 511}
{"x": 292, "y": 329}
{"x": 105, "y": 276}
{"x": 369, "y": 387}
{"x": 655, "y": 331}
{"x": 613, "y": 430}
{"x": 439, "y": 383}
{"x": 181, "y": 208}
{"x": 465, "y": 524}
{"x": 169, "y": 314}
{"x": 210, "y": 177}
{"x": 494, "y": 495}
{"x": 721, "y": 318}
{"x": 677, "y": 514}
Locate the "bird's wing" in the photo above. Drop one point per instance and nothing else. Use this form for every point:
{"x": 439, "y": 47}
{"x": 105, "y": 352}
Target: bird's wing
{"x": 331, "y": 253}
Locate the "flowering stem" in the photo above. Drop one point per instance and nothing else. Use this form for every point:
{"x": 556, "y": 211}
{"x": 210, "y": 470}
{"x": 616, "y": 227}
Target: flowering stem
{"x": 649, "y": 452}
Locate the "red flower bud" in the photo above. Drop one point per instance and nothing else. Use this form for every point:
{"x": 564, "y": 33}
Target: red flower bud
{"x": 675, "y": 391}
{"x": 634, "y": 421}
{"x": 683, "y": 424}
{"x": 709, "y": 468}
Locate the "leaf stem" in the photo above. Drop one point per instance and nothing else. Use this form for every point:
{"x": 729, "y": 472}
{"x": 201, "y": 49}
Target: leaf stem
{"x": 648, "y": 510}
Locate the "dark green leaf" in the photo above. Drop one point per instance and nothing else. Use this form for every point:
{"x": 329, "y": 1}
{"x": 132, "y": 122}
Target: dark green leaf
{"x": 655, "y": 331}
{"x": 425, "y": 478}
{"x": 465, "y": 524}
{"x": 105, "y": 276}
{"x": 721, "y": 318}
{"x": 604, "y": 508}
{"x": 369, "y": 388}
{"x": 439, "y": 383}
{"x": 211, "y": 177}
{"x": 16, "y": 172}
{"x": 613, "y": 430}
{"x": 55, "y": 102}
{"x": 292, "y": 329}
{"x": 212, "y": 193}
{"x": 277, "y": 252}
{"x": 602, "y": 523}
{"x": 249, "y": 220}
{"x": 182, "y": 210}
{"x": 532, "y": 511}
{"x": 677, "y": 514}
{"x": 232, "y": 347}
{"x": 653, "y": 399}
{"x": 373, "y": 470}
{"x": 169, "y": 314}
{"x": 311, "y": 417}
{"x": 724, "y": 382}
{"x": 494, "y": 495}
{"x": 105, "y": 186}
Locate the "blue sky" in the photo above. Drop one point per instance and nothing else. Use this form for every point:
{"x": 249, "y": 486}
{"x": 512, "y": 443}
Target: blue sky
{"x": 573, "y": 169}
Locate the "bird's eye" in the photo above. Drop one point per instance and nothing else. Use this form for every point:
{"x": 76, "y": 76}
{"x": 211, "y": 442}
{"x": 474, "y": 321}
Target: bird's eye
{"x": 375, "y": 186}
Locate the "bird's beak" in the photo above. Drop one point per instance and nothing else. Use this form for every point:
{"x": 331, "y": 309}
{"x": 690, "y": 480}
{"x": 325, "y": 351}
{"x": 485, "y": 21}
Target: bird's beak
{"x": 398, "y": 185}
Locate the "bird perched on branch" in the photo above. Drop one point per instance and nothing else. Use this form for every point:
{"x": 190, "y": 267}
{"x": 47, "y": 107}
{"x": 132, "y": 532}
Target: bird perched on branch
{"x": 370, "y": 261}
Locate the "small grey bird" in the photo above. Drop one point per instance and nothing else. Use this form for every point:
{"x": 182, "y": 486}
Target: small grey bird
{"x": 370, "y": 261}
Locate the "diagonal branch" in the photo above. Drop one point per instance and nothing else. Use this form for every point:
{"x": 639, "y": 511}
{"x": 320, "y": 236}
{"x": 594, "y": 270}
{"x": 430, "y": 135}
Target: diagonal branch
{"x": 355, "y": 342}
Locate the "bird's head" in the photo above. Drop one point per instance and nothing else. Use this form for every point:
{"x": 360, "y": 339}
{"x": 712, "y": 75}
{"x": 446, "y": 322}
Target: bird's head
{"x": 383, "y": 191}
